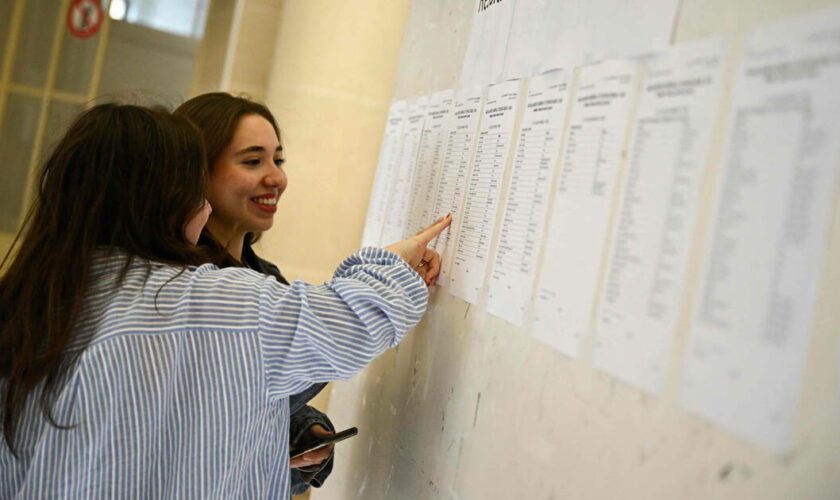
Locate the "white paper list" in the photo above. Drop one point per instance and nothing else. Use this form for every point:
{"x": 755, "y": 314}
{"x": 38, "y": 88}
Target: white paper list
{"x": 432, "y": 143}
{"x": 526, "y": 201}
{"x": 485, "y": 58}
{"x": 461, "y": 130}
{"x": 396, "y": 211}
{"x": 646, "y": 267}
{"x": 477, "y": 229}
{"x": 747, "y": 350}
{"x": 551, "y": 34}
{"x": 388, "y": 155}
{"x": 650, "y": 30}
{"x": 577, "y": 227}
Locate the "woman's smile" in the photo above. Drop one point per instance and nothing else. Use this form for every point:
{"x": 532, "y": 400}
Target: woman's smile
{"x": 266, "y": 203}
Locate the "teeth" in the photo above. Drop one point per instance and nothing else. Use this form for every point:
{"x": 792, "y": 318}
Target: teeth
{"x": 266, "y": 201}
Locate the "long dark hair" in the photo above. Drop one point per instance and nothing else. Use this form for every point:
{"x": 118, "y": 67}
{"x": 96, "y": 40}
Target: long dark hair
{"x": 122, "y": 177}
{"x": 217, "y": 114}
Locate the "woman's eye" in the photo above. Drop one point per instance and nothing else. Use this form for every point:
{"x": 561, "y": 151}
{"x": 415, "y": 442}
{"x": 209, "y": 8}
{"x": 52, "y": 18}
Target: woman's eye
{"x": 252, "y": 162}
{"x": 279, "y": 161}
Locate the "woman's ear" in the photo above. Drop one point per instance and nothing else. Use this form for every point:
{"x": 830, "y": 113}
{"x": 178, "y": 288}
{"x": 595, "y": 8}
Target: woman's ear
{"x": 193, "y": 227}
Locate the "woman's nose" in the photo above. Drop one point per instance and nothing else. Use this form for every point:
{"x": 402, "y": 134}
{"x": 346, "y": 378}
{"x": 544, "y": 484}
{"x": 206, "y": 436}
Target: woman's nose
{"x": 276, "y": 178}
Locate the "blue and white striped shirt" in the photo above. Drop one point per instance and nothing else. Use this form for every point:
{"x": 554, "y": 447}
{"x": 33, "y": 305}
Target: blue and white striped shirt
{"x": 181, "y": 385}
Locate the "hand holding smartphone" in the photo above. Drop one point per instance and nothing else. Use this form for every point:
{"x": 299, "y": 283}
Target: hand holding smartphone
{"x": 319, "y": 442}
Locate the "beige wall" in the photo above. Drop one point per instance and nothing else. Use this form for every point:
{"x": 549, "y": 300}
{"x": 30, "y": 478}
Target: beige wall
{"x": 237, "y": 52}
{"x": 330, "y": 88}
{"x": 210, "y": 61}
{"x": 470, "y": 407}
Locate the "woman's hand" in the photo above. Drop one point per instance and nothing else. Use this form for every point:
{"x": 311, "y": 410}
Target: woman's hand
{"x": 416, "y": 251}
{"x": 315, "y": 457}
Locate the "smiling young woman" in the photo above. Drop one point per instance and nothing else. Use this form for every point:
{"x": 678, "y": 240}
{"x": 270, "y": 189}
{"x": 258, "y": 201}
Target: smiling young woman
{"x": 245, "y": 182}
{"x": 245, "y": 162}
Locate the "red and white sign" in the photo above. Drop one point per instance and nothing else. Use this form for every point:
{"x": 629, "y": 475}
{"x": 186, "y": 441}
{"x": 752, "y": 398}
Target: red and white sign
{"x": 84, "y": 18}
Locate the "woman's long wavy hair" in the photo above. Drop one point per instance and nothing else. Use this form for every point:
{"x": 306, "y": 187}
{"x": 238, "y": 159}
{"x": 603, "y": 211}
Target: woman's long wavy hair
{"x": 217, "y": 114}
{"x": 123, "y": 178}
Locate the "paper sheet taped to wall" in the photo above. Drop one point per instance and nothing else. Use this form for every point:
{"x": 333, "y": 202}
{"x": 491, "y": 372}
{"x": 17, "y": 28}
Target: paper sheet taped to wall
{"x": 461, "y": 130}
{"x": 478, "y": 219}
{"x": 518, "y": 39}
{"x": 527, "y": 197}
{"x": 394, "y": 227}
{"x": 650, "y": 243}
{"x": 578, "y": 224}
{"x": 767, "y": 217}
{"x": 484, "y": 61}
{"x": 429, "y": 161}
{"x": 550, "y": 34}
{"x": 746, "y": 356}
{"x": 389, "y": 154}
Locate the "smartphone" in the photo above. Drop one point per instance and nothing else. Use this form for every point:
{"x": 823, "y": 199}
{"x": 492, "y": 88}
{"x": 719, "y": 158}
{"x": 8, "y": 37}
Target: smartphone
{"x": 320, "y": 442}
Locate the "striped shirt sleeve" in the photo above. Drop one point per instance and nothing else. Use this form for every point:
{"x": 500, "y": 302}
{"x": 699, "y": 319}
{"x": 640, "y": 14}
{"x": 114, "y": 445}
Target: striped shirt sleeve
{"x": 317, "y": 333}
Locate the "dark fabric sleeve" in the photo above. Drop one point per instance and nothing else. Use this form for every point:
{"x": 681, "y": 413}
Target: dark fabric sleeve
{"x": 298, "y": 401}
{"x": 299, "y": 425}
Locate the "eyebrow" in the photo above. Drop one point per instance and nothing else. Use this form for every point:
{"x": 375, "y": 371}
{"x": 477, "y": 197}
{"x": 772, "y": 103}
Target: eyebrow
{"x": 256, "y": 149}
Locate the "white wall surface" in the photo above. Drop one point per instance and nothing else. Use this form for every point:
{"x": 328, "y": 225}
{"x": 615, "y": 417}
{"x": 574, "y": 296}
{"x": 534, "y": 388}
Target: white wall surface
{"x": 469, "y": 407}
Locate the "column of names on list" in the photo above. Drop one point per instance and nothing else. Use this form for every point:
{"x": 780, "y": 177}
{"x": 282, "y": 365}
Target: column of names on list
{"x": 483, "y": 189}
{"x": 577, "y": 227}
{"x": 651, "y": 240}
{"x": 460, "y": 129}
{"x": 396, "y": 211}
{"x": 521, "y": 233}
{"x": 756, "y": 300}
{"x": 428, "y": 161}
{"x": 389, "y": 154}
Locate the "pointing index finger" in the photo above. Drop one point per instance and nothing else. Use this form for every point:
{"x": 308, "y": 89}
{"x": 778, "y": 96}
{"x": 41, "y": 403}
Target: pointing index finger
{"x": 428, "y": 234}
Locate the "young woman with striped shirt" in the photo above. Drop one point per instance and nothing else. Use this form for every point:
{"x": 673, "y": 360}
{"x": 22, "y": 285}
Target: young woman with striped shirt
{"x": 128, "y": 368}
